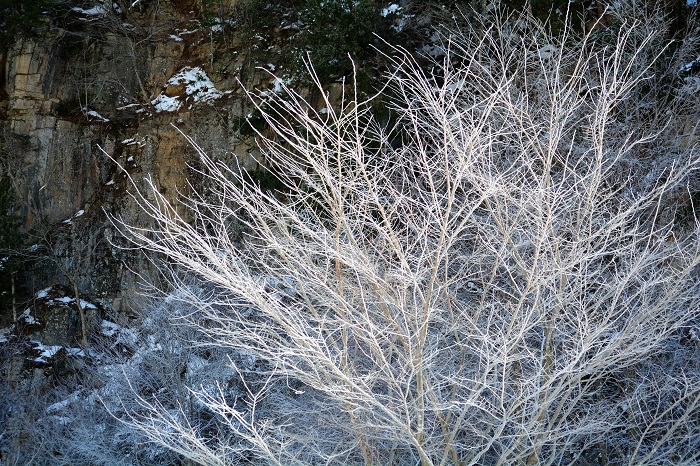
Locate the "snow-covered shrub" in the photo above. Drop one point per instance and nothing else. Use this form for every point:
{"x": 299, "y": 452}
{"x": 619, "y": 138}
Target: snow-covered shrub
{"x": 155, "y": 362}
{"x": 85, "y": 415}
{"x": 486, "y": 282}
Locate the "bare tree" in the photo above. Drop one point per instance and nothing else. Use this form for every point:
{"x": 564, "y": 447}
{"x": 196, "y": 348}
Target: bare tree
{"x": 485, "y": 282}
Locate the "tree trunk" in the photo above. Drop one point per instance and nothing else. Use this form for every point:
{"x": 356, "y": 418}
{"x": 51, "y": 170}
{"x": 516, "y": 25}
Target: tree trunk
{"x": 14, "y": 298}
{"x": 83, "y": 322}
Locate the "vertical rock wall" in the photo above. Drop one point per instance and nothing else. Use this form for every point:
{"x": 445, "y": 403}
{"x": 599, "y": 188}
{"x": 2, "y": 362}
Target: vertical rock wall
{"x": 80, "y": 97}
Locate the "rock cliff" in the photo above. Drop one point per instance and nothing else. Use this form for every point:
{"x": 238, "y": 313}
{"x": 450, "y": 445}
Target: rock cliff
{"x": 108, "y": 90}
{"x": 101, "y": 94}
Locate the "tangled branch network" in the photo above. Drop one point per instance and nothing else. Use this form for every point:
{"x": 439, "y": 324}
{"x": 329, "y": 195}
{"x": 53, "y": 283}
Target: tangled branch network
{"x": 482, "y": 278}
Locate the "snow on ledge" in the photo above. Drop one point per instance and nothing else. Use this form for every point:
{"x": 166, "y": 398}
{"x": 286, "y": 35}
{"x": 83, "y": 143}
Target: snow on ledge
{"x": 163, "y": 103}
{"x": 97, "y": 10}
{"x": 390, "y": 10}
{"x": 93, "y": 114}
{"x": 83, "y": 304}
{"x": 47, "y": 352}
{"x": 198, "y": 89}
{"x": 27, "y": 318}
{"x": 4, "y": 334}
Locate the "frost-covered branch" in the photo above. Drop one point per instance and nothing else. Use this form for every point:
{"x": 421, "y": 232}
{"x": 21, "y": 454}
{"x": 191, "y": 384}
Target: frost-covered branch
{"x": 481, "y": 282}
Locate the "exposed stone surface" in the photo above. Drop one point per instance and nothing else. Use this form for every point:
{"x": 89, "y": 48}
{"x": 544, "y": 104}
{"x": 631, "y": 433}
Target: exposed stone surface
{"x": 78, "y": 98}
{"x": 45, "y": 340}
{"x": 59, "y": 320}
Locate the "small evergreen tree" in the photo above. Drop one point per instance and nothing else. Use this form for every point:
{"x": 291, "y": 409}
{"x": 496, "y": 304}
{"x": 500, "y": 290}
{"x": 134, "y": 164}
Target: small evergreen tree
{"x": 337, "y": 30}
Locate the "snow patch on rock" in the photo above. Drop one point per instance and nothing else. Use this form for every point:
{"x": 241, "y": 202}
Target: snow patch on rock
{"x": 198, "y": 88}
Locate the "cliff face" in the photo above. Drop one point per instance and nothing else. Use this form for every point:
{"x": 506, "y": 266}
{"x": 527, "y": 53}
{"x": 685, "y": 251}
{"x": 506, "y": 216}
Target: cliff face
{"x": 110, "y": 87}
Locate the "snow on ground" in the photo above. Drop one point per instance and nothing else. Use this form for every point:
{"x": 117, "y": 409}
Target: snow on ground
{"x": 61, "y": 405}
{"x": 109, "y": 329}
{"x": 691, "y": 85}
{"x": 198, "y": 84}
{"x": 56, "y": 407}
{"x": 690, "y": 66}
{"x": 74, "y": 351}
{"x": 43, "y": 294}
{"x": 219, "y": 23}
{"x": 278, "y": 86}
{"x": 61, "y": 420}
{"x": 49, "y": 351}
{"x": 132, "y": 142}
